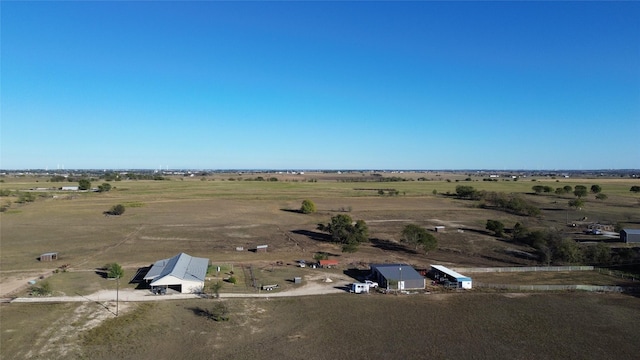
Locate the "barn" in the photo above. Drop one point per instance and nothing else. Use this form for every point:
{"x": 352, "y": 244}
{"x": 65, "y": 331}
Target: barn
{"x": 445, "y": 274}
{"x": 630, "y": 235}
{"x": 397, "y": 276}
{"x": 182, "y": 273}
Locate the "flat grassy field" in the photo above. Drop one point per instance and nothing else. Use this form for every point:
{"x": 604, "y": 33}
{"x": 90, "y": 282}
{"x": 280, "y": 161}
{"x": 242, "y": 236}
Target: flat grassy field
{"x": 213, "y": 216}
{"x": 453, "y": 326}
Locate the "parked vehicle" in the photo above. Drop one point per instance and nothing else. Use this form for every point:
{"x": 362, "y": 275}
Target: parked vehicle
{"x": 270, "y": 287}
{"x": 359, "y": 288}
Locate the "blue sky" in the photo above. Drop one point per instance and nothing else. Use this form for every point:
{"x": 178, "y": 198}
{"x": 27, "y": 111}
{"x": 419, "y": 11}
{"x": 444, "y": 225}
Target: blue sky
{"x": 320, "y": 85}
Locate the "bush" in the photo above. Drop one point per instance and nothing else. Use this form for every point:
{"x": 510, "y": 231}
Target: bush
{"x": 43, "y": 290}
{"x": 116, "y": 210}
{"x": 232, "y": 280}
{"x": 308, "y": 207}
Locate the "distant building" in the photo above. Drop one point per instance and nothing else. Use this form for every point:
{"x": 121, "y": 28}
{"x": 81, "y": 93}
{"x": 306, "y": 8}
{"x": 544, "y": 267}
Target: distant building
{"x": 182, "y": 273}
{"x": 630, "y": 235}
{"x": 397, "y": 277}
{"x": 50, "y": 256}
{"x": 70, "y": 188}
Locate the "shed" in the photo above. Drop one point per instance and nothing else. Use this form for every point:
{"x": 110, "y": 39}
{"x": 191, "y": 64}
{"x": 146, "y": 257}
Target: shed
{"x": 50, "y": 256}
{"x": 443, "y": 273}
{"x": 397, "y": 276}
{"x": 328, "y": 263}
{"x": 439, "y": 229}
{"x": 262, "y": 248}
{"x": 630, "y": 235}
{"x": 182, "y": 273}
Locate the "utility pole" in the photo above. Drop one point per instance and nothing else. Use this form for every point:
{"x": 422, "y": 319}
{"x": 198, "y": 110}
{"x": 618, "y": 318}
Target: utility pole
{"x": 117, "y": 293}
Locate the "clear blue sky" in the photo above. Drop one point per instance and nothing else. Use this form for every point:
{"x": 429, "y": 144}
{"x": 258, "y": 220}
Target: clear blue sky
{"x": 320, "y": 85}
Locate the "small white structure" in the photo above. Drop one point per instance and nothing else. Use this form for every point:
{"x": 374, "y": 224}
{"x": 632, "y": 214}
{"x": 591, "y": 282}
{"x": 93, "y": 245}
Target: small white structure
{"x": 70, "y": 188}
{"x": 359, "y": 288}
{"x": 182, "y": 273}
{"x": 439, "y": 229}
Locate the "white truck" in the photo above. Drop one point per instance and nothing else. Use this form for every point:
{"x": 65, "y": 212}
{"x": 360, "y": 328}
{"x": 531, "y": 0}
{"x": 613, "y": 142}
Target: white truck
{"x": 372, "y": 284}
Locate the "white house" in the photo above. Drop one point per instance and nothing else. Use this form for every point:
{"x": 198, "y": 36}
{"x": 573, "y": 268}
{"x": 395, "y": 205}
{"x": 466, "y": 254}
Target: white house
{"x": 182, "y": 273}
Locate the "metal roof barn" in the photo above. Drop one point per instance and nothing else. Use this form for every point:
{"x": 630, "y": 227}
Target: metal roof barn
{"x": 397, "y": 276}
{"x": 630, "y": 235}
{"x": 183, "y": 273}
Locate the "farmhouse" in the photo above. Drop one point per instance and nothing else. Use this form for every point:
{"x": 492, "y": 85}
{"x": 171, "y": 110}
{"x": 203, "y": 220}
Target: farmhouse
{"x": 630, "y": 235}
{"x": 445, "y": 274}
{"x": 397, "y": 276}
{"x": 182, "y": 273}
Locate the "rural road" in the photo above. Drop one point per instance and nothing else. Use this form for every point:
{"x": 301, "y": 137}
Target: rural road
{"x": 127, "y": 295}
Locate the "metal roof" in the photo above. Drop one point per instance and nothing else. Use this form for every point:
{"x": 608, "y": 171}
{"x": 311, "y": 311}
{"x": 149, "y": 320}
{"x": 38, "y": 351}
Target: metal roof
{"x": 181, "y": 266}
{"x": 632, "y": 231}
{"x": 452, "y": 273}
{"x": 397, "y": 271}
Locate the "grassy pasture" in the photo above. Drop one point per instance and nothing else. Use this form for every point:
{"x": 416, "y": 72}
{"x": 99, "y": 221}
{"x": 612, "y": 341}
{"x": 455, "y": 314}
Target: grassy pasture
{"x": 455, "y": 326}
{"x": 211, "y": 218}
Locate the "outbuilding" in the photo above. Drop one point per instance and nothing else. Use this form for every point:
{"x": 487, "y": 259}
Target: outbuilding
{"x": 50, "y": 256}
{"x": 630, "y": 235}
{"x": 397, "y": 277}
{"x": 444, "y": 274}
{"x": 182, "y": 273}
{"x": 329, "y": 263}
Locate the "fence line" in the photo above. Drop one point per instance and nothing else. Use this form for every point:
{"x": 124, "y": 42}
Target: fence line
{"x": 595, "y": 288}
{"x": 523, "y": 269}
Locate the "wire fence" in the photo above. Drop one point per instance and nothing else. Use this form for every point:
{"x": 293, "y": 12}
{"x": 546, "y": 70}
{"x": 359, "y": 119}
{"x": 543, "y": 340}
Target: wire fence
{"x": 595, "y": 288}
{"x": 523, "y": 269}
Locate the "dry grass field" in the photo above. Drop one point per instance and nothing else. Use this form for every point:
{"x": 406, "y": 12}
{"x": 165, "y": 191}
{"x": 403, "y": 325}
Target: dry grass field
{"x": 442, "y": 326}
{"x": 212, "y": 216}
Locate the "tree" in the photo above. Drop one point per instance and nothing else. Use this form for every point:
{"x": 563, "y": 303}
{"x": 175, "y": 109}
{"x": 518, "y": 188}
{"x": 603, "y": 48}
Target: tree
{"x": 84, "y": 184}
{"x": 601, "y": 196}
{"x": 215, "y": 288}
{"x": 596, "y": 189}
{"x": 537, "y": 189}
{"x": 466, "y": 192}
{"x": 104, "y": 187}
{"x": 343, "y": 231}
{"x": 519, "y": 232}
{"x": 635, "y": 189}
{"x": 116, "y": 210}
{"x": 580, "y": 191}
{"x": 496, "y": 226}
{"x": 114, "y": 271}
{"x": 419, "y": 237}
{"x": 567, "y": 189}
{"x": 308, "y": 207}
{"x": 576, "y": 203}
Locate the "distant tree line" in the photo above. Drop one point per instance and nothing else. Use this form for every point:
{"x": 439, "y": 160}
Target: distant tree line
{"x": 511, "y": 203}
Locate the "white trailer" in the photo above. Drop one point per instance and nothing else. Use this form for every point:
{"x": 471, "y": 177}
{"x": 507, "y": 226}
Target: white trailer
{"x": 359, "y": 288}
